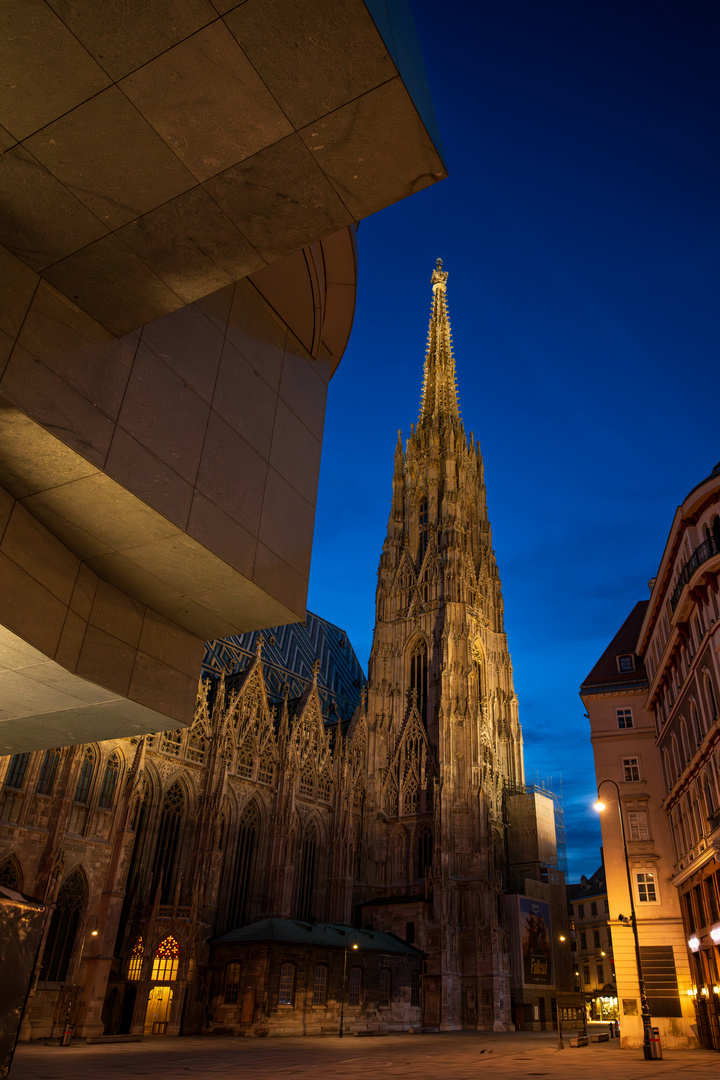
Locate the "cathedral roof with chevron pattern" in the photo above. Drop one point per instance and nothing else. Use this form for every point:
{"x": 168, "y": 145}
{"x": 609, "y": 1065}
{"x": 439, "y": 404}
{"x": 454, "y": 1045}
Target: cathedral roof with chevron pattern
{"x": 288, "y": 654}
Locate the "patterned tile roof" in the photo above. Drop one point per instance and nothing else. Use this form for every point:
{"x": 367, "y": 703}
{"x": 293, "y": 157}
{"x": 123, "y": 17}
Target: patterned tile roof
{"x": 288, "y": 654}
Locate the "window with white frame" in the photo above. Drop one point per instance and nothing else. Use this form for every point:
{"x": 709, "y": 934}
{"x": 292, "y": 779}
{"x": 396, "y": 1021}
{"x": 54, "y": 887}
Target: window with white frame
{"x": 624, "y": 718}
{"x": 631, "y": 768}
{"x": 638, "y": 825}
{"x": 647, "y": 893}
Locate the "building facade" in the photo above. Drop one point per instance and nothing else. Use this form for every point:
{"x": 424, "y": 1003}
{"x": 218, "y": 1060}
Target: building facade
{"x": 652, "y": 701}
{"x": 594, "y": 961}
{"x": 177, "y": 287}
{"x": 300, "y": 794}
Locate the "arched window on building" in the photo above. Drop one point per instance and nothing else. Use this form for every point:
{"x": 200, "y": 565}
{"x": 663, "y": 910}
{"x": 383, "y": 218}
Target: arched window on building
{"x": 287, "y": 984}
{"x": 306, "y": 877}
{"x": 232, "y": 983}
{"x": 168, "y": 842}
{"x": 695, "y": 723}
{"x": 385, "y": 987}
{"x": 136, "y": 960}
{"x": 398, "y": 857}
{"x": 11, "y": 874}
{"x": 242, "y": 880}
{"x": 48, "y": 770}
{"x": 423, "y": 847}
{"x": 109, "y": 781}
{"x": 355, "y": 986}
{"x": 63, "y": 929}
{"x": 15, "y": 777}
{"x": 418, "y": 677}
{"x": 87, "y": 767}
{"x": 166, "y": 960}
{"x": 266, "y": 768}
{"x": 410, "y": 796}
{"x": 320, "y": 984}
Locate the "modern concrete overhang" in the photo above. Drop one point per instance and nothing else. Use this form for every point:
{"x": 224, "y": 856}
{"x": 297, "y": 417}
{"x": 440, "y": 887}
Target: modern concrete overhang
{"x": 157, "y": 152}
{"x": 179, "y": 189}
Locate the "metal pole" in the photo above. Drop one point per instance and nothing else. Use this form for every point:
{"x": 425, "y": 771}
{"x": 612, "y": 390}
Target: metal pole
{"x": 645, "y": 1011}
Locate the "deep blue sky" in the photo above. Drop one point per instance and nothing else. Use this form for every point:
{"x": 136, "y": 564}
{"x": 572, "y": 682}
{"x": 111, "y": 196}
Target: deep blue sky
{"x": 580, "y": 229}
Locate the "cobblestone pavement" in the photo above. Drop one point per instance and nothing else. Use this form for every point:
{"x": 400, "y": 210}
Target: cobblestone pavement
{"x": 461, "y": 1056}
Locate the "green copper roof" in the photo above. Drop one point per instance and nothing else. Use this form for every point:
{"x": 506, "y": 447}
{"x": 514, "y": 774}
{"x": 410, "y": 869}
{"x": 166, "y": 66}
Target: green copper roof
{"x": 332, "y": 935}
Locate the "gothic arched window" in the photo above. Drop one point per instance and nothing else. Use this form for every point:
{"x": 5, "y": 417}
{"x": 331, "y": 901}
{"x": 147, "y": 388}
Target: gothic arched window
{"x": 324, "y": 785}
{"x": 82, "y": 791}
{"x": 306, "y": 880}
{"x": 232, "y": 983}
{"x": 391, "y": 799}
{"x": 109, "y": 781}
{"x": 418, "y": 677}
{"x": 166, "y": 960}
{"x": 424, "y": 851}
{"x": 410, "y": 797}
{"x": 242, "y": 878}
{"x": 63, "y": 928}
{"x": 11, "y": 874}
{"x": 16, "y": 773}
{"x": 266, "y": 768}
{"x": 48, "y": 770}
{"x": 136, "y": 960}
{"x": 168, "y": 841}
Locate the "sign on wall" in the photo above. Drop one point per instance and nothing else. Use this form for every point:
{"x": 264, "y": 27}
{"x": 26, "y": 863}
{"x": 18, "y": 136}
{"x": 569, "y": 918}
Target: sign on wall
{"x": 536, "y": 942}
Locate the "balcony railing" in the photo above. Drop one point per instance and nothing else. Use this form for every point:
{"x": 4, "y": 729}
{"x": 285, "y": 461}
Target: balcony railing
{"x": 701, "y": 554}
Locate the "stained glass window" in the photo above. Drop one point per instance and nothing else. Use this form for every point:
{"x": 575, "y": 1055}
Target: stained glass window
{"x": 266, "y": 769}
{"x": 307, "y": 780}
{"x": 136, "y": 959}
{"x": 165, "y": 961}
{"x": 245, "y": 762}
{"x": 10, "y": 875}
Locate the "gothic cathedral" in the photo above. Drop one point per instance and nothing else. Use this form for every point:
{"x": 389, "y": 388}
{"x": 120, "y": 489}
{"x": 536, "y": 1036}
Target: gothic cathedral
{"x": 444, "y": 741}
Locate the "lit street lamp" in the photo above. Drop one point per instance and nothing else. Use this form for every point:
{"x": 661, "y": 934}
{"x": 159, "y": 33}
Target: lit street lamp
{"x": 632, "y": 921}
{"x": 342, "y": 999}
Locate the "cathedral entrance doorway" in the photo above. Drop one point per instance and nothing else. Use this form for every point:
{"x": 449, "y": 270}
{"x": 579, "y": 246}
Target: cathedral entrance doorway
{"x": 248, "y": 1005}
{"x": 158, "y": 1010}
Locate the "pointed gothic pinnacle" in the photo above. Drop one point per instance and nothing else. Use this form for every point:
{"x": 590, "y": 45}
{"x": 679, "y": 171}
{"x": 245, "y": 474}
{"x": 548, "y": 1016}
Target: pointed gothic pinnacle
{"x": 439, "y": 393}
{"x": 259, "y": 645}
{"x": 315, "y": 670}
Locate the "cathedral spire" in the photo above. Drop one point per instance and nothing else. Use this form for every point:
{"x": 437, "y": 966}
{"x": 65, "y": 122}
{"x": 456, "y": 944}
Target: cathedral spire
{"x": 439, "y": 393}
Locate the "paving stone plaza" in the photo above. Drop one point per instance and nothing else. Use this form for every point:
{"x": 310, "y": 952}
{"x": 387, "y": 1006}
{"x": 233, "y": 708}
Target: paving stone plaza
{"x": 458, "y": 1056}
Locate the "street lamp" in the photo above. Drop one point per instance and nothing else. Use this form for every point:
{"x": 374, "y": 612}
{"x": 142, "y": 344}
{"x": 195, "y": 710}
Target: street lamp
{"x": 632, "y": 921}
{"x": 342, "y": 999}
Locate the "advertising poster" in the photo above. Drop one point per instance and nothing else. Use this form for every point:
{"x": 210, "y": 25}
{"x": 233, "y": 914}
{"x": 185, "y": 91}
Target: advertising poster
{"x": 536, "y": 942}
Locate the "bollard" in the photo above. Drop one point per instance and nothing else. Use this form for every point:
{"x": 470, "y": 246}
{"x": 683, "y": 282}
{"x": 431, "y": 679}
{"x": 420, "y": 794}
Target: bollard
{"x": 655, "y": 1047}
{"x": 611, "y": 1026}
{"x": 561, "y": 1044}
{"x": 67, "y": 1034}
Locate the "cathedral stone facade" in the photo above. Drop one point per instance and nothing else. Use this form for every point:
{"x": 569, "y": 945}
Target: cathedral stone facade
{"x": 300, "y": 793}
{"x": 444, "y": 742}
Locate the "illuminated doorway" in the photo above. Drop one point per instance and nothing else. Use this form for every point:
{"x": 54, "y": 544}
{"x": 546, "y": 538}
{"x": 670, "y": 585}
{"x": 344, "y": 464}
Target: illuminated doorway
{"x": 158, "y": 1010}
